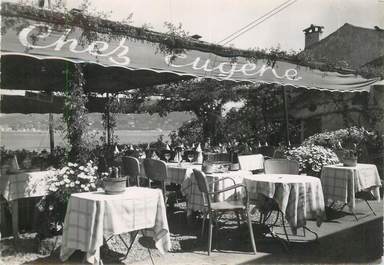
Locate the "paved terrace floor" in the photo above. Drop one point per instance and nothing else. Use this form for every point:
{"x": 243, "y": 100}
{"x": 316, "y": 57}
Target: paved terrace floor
{"x": 342, "y": 239}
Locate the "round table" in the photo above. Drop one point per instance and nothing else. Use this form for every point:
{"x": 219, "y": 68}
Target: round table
{"x": 299, "y": 197}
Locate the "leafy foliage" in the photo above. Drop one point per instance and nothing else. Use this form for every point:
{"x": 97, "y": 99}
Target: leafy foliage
{"x": 74, "y": 115}
{"x": 312, "y": 158}
{"x": 205, "y": 98}
{"x": 347, "y": 138}
{"x": 69, "y": 179}
{"x": 254, "y": 122}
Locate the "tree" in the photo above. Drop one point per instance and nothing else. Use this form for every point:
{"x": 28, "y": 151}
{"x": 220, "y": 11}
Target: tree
{"x": 254, "y": 122}
{"x": 204, "y": 97}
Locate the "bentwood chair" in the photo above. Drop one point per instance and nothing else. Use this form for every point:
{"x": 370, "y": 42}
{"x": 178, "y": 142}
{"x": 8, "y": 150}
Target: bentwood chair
{"x": 213, "y": 210}
{"x": 131, "y": 168}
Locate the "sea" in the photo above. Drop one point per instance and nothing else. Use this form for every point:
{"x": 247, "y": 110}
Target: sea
{"x": 39, "y": 140}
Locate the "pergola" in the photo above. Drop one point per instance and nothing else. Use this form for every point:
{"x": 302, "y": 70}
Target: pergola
{"x": 39, "y": 46}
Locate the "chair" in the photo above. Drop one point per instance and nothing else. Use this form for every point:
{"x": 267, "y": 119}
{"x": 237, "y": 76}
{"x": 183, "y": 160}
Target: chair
{"x": 276, "y": 166}
{"x": 157, "y": 172}
{"x": 131, "y": 168}
{"x": 212, "y": 209}
{"x": 281, "y": 166}
{"x": 252, "y": 163}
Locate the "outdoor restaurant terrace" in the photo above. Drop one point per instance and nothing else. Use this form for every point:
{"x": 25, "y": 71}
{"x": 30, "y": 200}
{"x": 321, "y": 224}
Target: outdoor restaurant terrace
{"x": 207, "y": 195}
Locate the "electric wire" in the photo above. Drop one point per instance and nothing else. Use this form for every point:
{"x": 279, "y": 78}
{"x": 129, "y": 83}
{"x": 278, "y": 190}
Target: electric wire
{"x": 269, "y": 16}
{"x": 252, "y": 22}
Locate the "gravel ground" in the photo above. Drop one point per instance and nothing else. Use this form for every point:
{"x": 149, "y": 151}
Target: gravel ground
{"x": 183, "y": 238}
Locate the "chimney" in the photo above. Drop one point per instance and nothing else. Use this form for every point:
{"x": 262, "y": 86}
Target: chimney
{"x": 312, "y": 35}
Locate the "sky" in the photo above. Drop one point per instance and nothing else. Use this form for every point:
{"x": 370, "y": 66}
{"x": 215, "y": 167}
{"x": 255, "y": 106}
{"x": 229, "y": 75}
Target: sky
{"x": 214, "y": 20}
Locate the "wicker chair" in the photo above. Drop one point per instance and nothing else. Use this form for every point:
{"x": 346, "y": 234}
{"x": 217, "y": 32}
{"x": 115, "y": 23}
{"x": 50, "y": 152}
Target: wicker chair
{"x": 131, "y": 168}
{"x": 281, "y": 166}
{"x": 213, "y": 209}
{"x": 156, "y": 172}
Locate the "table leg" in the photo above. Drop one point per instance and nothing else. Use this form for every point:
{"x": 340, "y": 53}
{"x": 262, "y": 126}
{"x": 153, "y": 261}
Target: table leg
{"x": 1, "y": 215}
{"x": 15, "y": 219}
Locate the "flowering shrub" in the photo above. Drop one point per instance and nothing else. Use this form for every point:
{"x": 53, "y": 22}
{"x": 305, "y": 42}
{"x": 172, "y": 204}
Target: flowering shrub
{"x": 312, "y": 158}
{"x": 69, "y": 179}
{"x": 346, "y": 137}
{"x": 74, "y": 178}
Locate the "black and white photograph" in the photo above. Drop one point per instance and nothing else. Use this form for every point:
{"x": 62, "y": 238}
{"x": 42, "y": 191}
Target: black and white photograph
{"x": 191, "y": 132}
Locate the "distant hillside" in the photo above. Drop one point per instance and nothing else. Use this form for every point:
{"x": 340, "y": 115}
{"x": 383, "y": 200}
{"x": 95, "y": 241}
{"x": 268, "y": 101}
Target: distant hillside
{"x": 39, "y": 122}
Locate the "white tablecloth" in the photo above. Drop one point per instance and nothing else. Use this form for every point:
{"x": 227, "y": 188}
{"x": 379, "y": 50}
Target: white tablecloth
{"x": 341, "y": 183}
{"x": 195, "y": 199}
{"x": 93, "y": 215}
{"x": 299, "y": 197}
{"x": 25, "y": 184}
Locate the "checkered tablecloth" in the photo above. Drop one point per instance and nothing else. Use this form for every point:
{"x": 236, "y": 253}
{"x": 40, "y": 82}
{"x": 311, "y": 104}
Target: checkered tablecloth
{"x": 25, "y": 184}
{"x": 196, "y": 200}
{"x": 341, "y": 183}
{"x": 93, "y": 215}
{"x": 299, "y": 197}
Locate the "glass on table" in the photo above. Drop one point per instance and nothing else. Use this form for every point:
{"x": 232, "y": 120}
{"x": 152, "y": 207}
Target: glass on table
{"x": 190, "y": 156}
{"x": 167, "y": 156}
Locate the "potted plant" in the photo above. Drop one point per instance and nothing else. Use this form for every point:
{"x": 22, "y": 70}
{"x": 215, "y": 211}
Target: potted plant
{"x": 349, "y": 157}
{"x": 113, "y": 182}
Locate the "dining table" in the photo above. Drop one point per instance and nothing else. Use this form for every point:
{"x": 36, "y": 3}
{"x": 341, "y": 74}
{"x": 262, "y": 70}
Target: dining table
{"x": 92, "y": 217}
{"x": 23, "y": 184}
{"x": 195, "y": 198}
{"x": 340, "y": 183}
{"x": 299, "y": 197}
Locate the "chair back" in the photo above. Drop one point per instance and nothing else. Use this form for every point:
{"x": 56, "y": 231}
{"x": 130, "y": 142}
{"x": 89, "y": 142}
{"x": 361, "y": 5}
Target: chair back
{"x": 155, "y": 169}
{"x": 251, "y": 162}
{"x": 131, "y": 166}
{"x": 202, "y": 183}
{"x": 281, "y": 166}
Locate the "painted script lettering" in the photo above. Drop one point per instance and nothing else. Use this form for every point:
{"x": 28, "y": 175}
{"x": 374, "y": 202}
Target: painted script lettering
{"x": 117, "y": 55}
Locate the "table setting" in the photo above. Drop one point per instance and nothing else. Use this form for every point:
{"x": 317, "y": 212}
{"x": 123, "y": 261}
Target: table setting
{"x": 94, "y": 216}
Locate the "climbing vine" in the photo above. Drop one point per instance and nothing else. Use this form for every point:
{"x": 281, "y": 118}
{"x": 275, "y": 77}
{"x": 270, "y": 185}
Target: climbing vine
{"x": 74, "y": 114}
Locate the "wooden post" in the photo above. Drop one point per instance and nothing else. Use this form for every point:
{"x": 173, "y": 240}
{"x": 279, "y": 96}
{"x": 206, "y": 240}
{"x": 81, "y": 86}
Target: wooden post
{"x": 285, "y": 102}
{"x": 108, "y": 122}
{"x": 51, "y": 133}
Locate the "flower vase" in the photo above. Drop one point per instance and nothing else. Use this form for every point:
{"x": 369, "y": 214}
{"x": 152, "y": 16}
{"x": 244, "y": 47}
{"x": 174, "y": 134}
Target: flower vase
{"x": 350, "y": 161}
{"x": 114, "y": 184}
